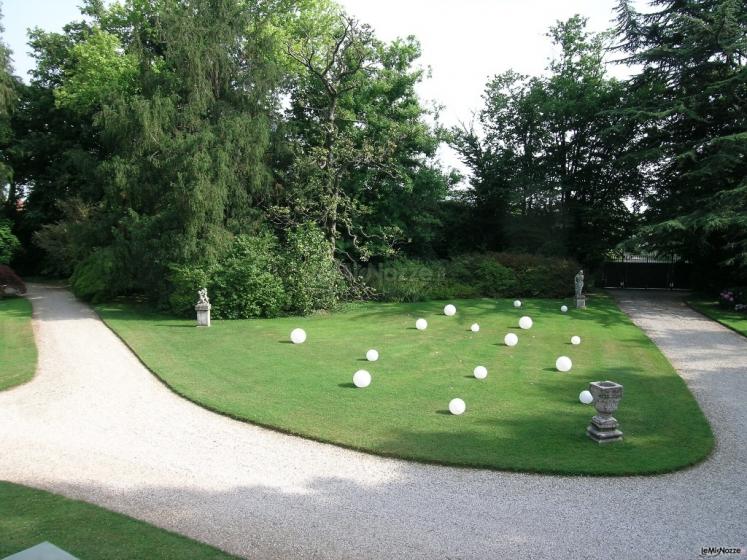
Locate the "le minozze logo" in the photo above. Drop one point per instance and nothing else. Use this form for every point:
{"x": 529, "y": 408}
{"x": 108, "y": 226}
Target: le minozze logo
{"x": 710, "y": 551}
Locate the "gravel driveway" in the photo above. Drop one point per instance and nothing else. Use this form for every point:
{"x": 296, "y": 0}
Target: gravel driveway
{"x": 94, "y": 424}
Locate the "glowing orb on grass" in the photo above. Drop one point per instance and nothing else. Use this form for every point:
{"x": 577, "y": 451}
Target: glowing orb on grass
{"x": 575, "y": 340}
{"x": 421, "y": 324}
{"x": 449, "y": 310}
{"x": 475, "y": 327}
{"x": 517, "y": 303}
{"x": 298, "y": 336}
{"x": 585, "y": 397}
{"x": 563, "y": 364}
{"x": 564, "y": 308}
{"x": 480, "y": 372}
{"x": 457, "y": 406}
{"x": 361, "y": 378}
{"x": 372, "y": 355}
{"x": 525, "y": 322}
{"x": 511, "y": 339}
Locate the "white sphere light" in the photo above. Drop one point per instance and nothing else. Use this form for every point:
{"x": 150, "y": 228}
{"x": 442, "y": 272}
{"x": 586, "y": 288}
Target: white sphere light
{"x": 525, "y": 322}
{"x": 475, "y": 327}
{"x": 575, "y": 340}
{"x": 585, "y": 397}
{"x": 457, "y": 406}
{"x": 564, "y": 308}
{"x": 563, "y": 364}
{"x": 517, "y": 303}
{"x": 372, "y": 355}
{"x": 421, "y": 324}
{"x": 449, "y": 310}
{"x": 480, "y": 372}
{"x": 511, "y": 339}
{"x": 361, "y": 378}
{"x": 298, "y": 336}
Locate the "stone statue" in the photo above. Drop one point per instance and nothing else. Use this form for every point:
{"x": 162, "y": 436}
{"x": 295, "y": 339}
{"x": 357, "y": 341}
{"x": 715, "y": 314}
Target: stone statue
{"x": 579, "y": 280}
{"x": 203, "y": 297}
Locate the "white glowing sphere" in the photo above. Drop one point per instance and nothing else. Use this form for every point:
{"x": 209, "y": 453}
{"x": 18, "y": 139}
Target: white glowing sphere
{"x": 449, "y": 310}
{"x": 511, "y": 339}
{"x": 457, "y": 406}
{"x": 361, "y": 378}
{"x": 563, "y": 363}
{"x": 517, "y": 303}
{"x": 475, "y": 327}
{"x": 585, "y": 397}
{"x": 564, "y": 308}
{"x": 298, "y": 336}
{"x": 372, "y": 355}
{"x": 575, "y": 340}
{"x": 421, "y": 324}
{"x": 525, "y": 322}
{"x": 480, "y": 372}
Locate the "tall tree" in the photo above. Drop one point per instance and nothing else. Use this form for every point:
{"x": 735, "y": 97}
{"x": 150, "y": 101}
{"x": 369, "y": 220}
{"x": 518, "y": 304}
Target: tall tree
{"x": 361, "y": 150}
{"x": 546, "y": 176}
{"x": 690, "y": 100}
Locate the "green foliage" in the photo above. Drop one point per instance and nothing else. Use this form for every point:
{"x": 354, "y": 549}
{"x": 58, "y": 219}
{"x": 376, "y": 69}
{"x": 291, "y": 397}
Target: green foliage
{"x": 95, "y": 278}
{"x": 260, "y": 277}
{"x": 9, "y": 243}
{"x": 538, "y": 276}
{"x": 100, "y": 71}
{"x": 483, "y": 271}
{"x": 546, "y": 176}
{"x": 312, "y": 281}
{"x": 473, "y": 275}
{"x": 689, "y": 104}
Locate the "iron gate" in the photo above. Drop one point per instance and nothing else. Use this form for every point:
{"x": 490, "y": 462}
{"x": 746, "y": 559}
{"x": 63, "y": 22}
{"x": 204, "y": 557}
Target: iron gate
{"x": 647, "y": 272}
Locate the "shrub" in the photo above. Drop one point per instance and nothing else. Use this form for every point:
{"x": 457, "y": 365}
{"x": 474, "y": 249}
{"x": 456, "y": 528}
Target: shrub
{"x": 185, "y": 281}
{"x": 473, "y": 275}
{"x": 9, "y": 279}
{"x": 539, "y": 276}
{"x": 246, "y": 283}
{"x": 489, "y": 277}
{"x": 95, "y": 277}
{"x": 729, "y": 298}
{"x": 312, "y": 280}
{"x": 9, "y": 243}
{"x": 407, "y": 280}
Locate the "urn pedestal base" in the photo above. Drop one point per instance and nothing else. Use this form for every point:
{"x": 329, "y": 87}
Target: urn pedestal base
{"x": 604, "y": 430}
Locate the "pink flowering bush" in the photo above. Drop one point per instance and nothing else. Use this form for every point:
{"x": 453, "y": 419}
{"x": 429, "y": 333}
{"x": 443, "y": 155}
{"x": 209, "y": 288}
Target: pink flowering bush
{"x": 733, "y": 298}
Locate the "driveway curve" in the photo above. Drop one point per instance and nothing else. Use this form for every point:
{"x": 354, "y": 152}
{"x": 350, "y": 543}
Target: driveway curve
{"x": 95, "y": 425}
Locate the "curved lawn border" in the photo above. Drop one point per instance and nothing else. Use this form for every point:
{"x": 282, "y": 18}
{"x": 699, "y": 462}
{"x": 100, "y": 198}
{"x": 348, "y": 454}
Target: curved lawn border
{"x": 29, "y": 516}
{"x": 17, "y": 346}
{"x": 702, "y": 453}
{"x": 712, "y": 311}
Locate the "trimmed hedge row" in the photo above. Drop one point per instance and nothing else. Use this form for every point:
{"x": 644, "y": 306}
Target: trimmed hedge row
{"x": 473, "y": 275}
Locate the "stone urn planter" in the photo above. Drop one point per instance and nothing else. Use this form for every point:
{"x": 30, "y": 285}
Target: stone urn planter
{"x": 607, "y": 396}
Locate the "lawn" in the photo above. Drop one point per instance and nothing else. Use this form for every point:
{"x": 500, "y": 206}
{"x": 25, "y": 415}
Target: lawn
{"x": 735, "y": 320}
{"x": 525, "y": 416}
{"x": 29, "y": 516}
{"x": 17, "y": 348}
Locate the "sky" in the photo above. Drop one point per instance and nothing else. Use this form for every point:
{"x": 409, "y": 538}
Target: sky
{"x": 464, "y": 42}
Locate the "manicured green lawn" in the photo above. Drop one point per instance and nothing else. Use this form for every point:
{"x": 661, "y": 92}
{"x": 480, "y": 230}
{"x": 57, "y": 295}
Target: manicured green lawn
{"x": 524, "y": 416}
{"x": 732, "y": 319}
{"x": 29, "y": 516}
{"x": 17, "y": 348}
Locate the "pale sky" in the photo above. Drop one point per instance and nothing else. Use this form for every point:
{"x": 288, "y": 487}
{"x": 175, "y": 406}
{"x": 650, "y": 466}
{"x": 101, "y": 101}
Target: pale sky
{"x": 464, "y": 42}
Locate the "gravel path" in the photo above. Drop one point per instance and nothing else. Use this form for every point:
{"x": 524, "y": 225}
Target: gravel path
{"x": 94, "y": 424}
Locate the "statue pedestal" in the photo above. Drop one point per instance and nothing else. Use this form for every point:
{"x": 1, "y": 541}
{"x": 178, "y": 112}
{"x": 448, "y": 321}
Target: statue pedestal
{"x": 604, "y": 427}
{"x": 581, "y": 302}
{"x": 203, "y": 314}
